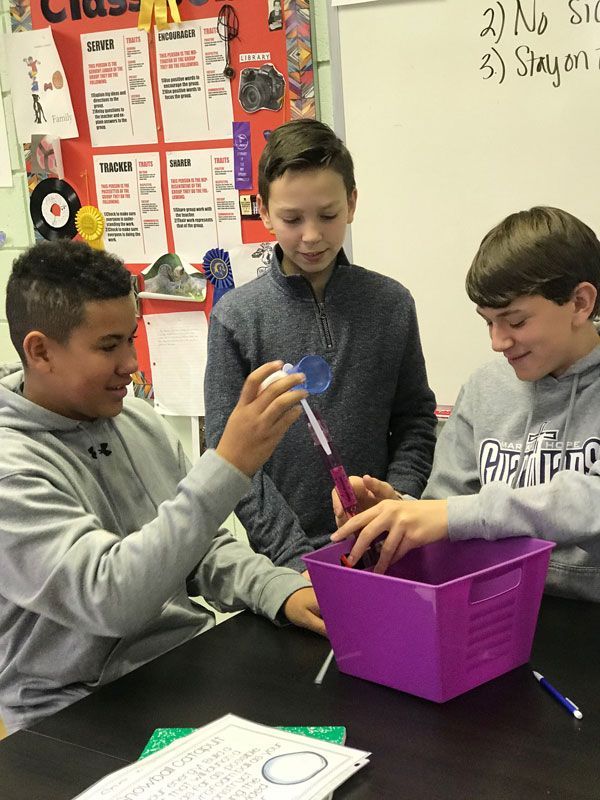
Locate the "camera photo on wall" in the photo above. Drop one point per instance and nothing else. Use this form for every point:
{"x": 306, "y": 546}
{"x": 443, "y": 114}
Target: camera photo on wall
{"x": 275, "y": 20}
{"x": 261, "y": 87}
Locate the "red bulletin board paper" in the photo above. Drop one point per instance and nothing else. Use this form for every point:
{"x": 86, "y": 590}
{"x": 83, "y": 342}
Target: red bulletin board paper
{"x": 94, "y": 16}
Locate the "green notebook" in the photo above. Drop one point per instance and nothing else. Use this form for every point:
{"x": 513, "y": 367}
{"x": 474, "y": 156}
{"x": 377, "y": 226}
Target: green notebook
{"x": 336, "y": 734}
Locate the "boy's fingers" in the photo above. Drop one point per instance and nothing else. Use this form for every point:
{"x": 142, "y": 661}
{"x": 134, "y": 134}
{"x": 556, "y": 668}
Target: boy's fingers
{"x": 382, "y": 490}
{"x": 271, "y": 398}
{"x": 405, "y": 546}
{"x": 354, "y": 524}
{"x": 252, "y": 383}
{"x": 388, "y": 550}
{"x": 336, "y": 503}
{"x": 285, "y": 421}
{"x": 365, "y": 539}
{"x": 283, "y": 405}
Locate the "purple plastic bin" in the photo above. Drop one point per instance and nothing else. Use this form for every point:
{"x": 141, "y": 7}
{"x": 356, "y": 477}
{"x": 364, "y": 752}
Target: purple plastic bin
{"x": 444, "y": 619}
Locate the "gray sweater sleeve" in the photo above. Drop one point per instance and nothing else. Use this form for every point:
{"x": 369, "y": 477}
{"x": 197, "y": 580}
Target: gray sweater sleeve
{"x": 566, "y": 510}
{"x": 412, "y": 419}
{"x": 59, "y": 563}
{"x": 232, "y": 577}
{"x": 272, "y": 527}
{"x": 455, "y": 470}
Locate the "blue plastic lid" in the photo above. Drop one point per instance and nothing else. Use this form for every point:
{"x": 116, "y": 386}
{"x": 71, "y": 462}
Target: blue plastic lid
{"x": 317, "y": 370}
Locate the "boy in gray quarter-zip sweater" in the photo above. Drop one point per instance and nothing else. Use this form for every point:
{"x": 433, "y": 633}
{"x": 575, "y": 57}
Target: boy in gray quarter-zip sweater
{"x": 105, "y": 531}
{"x": 520, "y": 455}
{"x": 379, "y": 408}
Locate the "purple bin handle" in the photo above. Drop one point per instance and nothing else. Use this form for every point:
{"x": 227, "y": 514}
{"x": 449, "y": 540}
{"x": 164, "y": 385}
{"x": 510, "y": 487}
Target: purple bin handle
{"x": 489, "y": 586}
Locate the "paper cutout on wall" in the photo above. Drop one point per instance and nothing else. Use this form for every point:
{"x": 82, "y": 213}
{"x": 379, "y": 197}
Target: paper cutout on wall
{"x": 261, "y": 87}
{"x": 46, "y": 156}
{"x": 41, "y": 97}
{"x": 53, "y": 205}
{"x": 170, "y": 278}
{"x": 250, "y": 261}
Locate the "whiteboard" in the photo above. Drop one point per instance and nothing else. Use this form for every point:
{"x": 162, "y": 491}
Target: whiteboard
{"x": 457, "y": 113}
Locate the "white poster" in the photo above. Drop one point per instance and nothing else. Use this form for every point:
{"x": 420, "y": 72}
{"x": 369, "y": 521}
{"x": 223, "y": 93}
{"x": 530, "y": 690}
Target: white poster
{"x": 5, "y": 165}
{"x": 177, "y": 344}
{"x": 118, "y": 90}
{"x": 40, "y": 95}
{"x": 204, "y": 202}
{"x": 195, "y": 95}
{"x": 129, "y": 196}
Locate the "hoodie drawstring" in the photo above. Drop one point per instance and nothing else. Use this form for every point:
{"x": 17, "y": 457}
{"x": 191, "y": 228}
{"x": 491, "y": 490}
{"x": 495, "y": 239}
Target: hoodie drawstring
{"x": 521, "y": 460}
{"x": 568, "y": 422}
{"x": 563, "y": 450}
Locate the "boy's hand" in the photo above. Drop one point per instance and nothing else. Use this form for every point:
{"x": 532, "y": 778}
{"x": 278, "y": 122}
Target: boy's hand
{"x": 369, "y": 491}
{"x": 302, "y": 609}
{"x": 408, "y": 525}
{"x": 259, "y": 420}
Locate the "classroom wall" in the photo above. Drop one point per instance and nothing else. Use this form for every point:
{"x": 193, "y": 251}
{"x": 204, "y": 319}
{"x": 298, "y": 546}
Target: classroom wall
{"x": 450, "y": 133}
{"x": 14, "y": 203}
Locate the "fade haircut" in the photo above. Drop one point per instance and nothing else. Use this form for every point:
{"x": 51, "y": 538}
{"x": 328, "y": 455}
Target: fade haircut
{"x": 299, "y": 146}
{"x": 50, "y": 284}
{"x": 543, "y": 251}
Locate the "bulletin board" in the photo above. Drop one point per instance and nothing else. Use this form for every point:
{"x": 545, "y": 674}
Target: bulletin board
{"x": 458, "y": 113}
{"x": 272, "y": 82}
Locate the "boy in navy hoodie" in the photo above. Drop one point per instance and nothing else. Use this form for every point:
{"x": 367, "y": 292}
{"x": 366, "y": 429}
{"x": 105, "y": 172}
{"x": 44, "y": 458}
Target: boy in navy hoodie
{"x": 105, "y": 531}
{"x": 520, "y": 455}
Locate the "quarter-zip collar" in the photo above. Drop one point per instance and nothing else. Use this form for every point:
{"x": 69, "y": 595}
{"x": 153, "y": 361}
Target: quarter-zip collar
{"x": 298, "y": 286}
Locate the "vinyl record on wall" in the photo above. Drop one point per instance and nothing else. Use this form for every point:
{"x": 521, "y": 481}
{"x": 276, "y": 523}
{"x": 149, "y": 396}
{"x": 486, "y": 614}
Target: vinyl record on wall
{"x": 53, "y": 205}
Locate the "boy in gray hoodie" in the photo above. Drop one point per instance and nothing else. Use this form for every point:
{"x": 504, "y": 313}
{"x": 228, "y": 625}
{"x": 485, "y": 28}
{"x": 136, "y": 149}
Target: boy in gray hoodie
{"x": 105, "y": 531}
{"x": 520, "y": 455}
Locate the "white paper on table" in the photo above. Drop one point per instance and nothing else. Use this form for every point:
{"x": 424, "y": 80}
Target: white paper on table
{"x": 204, "y": 202}
{"x": 118, "y": 89}
{"x": 177, "y": 344}
{"x": 130, "y": 198}
{"x": 5, "y": 165}
{"x": 39, "y": 90}
{"x": 195, "y": 95}
{"x": 233, "y": 757}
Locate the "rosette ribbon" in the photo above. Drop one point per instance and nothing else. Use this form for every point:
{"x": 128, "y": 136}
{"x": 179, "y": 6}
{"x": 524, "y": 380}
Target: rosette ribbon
{"x": 160, "y": 14}
{"x": 217, "y": 268}
{"x": 89, "y": 224}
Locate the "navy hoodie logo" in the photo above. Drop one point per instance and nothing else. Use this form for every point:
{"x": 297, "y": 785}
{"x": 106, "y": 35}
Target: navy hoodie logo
{"x": 103, "y": 450}
{"x": 541, "y": 461}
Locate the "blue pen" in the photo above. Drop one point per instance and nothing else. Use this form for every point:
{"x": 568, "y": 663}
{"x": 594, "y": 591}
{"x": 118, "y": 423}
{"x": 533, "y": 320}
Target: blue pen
{"x": 564, "y": 701}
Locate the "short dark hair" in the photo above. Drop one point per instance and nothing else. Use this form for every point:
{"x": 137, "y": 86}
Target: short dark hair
{"x": 50, "y": 284}
{"x": 543, "y": 251}
{"x": 301, "y": 145}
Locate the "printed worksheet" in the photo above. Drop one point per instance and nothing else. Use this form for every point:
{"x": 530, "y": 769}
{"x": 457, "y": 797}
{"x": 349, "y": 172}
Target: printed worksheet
{"x": 195, "y": 95}
{"x": 118, "y": 90}
{"x": 234, "y": 759}
{"x": 204, "y": 202}
{"x": 129, "y": 196}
